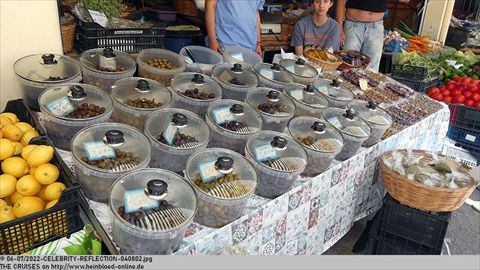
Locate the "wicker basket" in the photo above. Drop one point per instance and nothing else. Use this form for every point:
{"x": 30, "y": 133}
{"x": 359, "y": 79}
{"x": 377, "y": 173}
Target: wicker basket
{"x": 345, "y": 65}
{"x": 419, "y": 196}
{"x": 325, "y": 65}
{"x": 68, "y": 34}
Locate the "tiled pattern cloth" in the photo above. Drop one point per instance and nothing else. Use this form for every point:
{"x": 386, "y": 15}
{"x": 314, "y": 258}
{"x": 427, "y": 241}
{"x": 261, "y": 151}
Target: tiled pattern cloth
{"x": 317, "y": 212}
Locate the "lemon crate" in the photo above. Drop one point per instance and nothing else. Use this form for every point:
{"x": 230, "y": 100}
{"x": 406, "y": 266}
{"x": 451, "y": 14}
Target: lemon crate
{"x": 23, "y": 234}
{"x": 24, "y": 114}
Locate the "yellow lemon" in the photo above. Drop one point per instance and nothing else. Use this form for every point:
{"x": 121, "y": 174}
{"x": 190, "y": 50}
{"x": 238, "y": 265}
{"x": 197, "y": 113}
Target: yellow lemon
{"x": 26, "y": 206}
{"x": 15, "y": 166}
{"x": 7, "y": 185}
{"x": 5, "y": 121}
{"x": 28, "y": 136}
{"x": 6, "y": 214}
{"x": 3, "y": 203}
{"x": 24, "y": 127}
{"x": 12, "y": 133}
{"x": 18, "y": 148}
{"x": 13, "y": 117}
{"x": 40, "y": 201}
{"x": 1, "y": 134}
{"x": 7, "y": 149}
{"x": 51, "y": 203}
{"x": 28, "y": 186}
{"x": 27, "y": 149}
{"x": 32, "y": 171}
{"x": 46, "y": 173}
{"x": 15, "y": 197}
{"x": 41, "y": 193}
{"x": 40, "y": 155}
{"x": 54, "y": 190}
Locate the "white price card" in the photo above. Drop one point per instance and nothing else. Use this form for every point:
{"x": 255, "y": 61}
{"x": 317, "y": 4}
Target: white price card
{"x": 290, "y": 68}
{"x": 136, "y": 199}
{"x": 222, "y": 115}
{"x": 238, "y": 57}
{"x": 297, "y": 94}
{"x": 267, "y": 73}
{"x": 61, "y": 106}
{"x": 98, "y": 150}
{"x": 208, "y": 171}
{"x": 363, "y": 84}
{"x": 169, "y": 132}
{"x": 225, "y": 76}
{"x": 265, "y": 152}
{"x": 98, "y": 17}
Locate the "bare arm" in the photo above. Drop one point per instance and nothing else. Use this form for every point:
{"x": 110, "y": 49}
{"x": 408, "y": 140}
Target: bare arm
{"x": 299, "y": 50}
{"x": 258, "y": 49}
{"x": 340, "y": 17}
{"x": 210, "y": 9}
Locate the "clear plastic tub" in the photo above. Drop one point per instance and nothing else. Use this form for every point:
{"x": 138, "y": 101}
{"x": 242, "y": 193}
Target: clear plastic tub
{"x": 129, "y": 96}
{"x": 231, "y": 181}
{"x": 163, "y": 76}
{"x": 337, "y": 95}
{"x": 278, "y": 161}
{"x": 100, "y": 72}
{"x": 308, "y": 102}
{"x": 377, "y": 118}
{"x": 171, "y": 204}
{"x": 274, "y": 106}
{"x": 235, "y": 80}
{"x": 203, "y": 59}
{"x": 243, "y": 56}
{"x": 173, "y": 154}
{"x": 231, "y": 123}
{"x": 38, "y": 72}
{"x": 272, "y": 76}
{"x": 302, "y": 72}
{"x": 321, "y": 141}
{"x": 355, "y": 131}
{"x": 103, "y": 152}
{"x": 190, "y": 81}
{"x": 56, "y": 104}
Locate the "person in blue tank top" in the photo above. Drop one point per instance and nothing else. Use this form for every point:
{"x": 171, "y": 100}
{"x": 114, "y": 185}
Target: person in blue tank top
{"x": 233, "y": 23}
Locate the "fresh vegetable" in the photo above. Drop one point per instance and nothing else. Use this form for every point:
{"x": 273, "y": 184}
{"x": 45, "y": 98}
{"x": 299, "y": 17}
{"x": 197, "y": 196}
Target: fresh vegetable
{"x": 460, "y": 90}
{"x": 111, "y": 8}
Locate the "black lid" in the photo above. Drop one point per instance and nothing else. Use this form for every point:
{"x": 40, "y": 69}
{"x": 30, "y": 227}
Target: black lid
{"x": 179, "y": 120}
{"x": 276, "y": 67}
{"x": 279, "y": 142}
{"x": 198, "y": 79}
{"x": 224, "y": 164}
{"x": 309, "y": 89}
{"x": 335, "y": 83}
{"x": 113, "y": 137}
{"x": 371, "y": 105}
{"x": 108, "y": 52}
{"x": 319, "y": 127}
{"x": 237, "y": 109}
{"x": 143, "y": 85}
{"x": 237, "y": 68}
{"x": 77, "y": 92}
{"x": 300, "y": 62}
{"x": 48, "y": 59}
{"x": 273, "y": 95}
{"x": 156, "y": 189}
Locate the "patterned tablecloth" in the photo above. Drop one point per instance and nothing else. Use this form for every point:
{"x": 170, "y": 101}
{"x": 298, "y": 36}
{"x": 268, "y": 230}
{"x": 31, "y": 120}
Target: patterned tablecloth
{"x": 317, "y": 211}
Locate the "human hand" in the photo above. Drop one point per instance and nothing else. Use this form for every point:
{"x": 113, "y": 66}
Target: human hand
{"x": 342, "y": 38}
{"x": 259, "y": 51}
{"x": 214, "y": 45}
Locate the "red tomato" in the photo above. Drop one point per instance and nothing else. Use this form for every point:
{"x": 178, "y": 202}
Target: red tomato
{"x": 446, "y": 93}
{"x": 463, "y": 87}
{"x": 469, "y": 102}
{"x": 467, "y": 94}
{"x": 457, "y": 79}
{"x": 473, "y": 88}
{"x": 477, "y": 105}
{"x": 442, "y": 87}
{"x": 451, "y": 86}
{"x": 467, "y": 81}
{"x": 447, "y": 99}
{"x": 437, "y": 96}
{"x": 457, "y": 92}
{"x": 434, "y": 90}
{"x": 458, "y": 99}
{"x": 476, "y": 97}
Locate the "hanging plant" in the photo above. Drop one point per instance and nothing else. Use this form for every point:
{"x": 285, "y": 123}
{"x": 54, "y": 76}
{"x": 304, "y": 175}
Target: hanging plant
{"x": 111, "y": 8}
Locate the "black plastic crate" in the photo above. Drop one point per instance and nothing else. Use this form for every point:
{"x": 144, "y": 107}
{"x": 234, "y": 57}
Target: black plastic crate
{"x": 131, "y": 40}
{"x": 467, "y": 157}
{"x": 22, "y": 234}
{"x": 467, "y": 139}
{"x": 401, "y": 246}
{"x": 419, "y": 85}
{"x": 409, "y": 72}
{"x": 465, "y": 117}
{"x": 24, "y": 114}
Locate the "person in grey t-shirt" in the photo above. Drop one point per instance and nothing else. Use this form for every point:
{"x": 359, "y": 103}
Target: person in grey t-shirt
{"x": 316, "y": 30}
